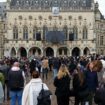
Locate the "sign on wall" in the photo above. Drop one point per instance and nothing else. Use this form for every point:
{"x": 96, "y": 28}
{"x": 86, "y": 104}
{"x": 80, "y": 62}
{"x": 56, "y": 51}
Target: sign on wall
{"x": 55, "y": 11}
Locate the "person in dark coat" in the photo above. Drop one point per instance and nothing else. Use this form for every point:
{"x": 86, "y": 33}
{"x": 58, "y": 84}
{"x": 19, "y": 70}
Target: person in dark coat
{"x": 32, "y": 66}
{"x": 80, "y": 87}
{"x": 56, "y": 65}
{"x": 72, "y": 66}
{"x": 91, "y": 80}
{"x": 62, "y": 84}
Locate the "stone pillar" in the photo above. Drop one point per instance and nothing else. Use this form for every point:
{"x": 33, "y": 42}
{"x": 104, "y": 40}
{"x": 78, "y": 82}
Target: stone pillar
{"x": 81, "y": 52}
{"x": 70, "y": 52}
{"x": 1, "y": 39}
{"x": 55, "y": 51}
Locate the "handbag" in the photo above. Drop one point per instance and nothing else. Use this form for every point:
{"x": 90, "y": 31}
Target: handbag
{"x": 100, "y": 94}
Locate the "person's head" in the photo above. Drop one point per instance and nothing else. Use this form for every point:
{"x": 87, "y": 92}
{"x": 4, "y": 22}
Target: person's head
{"x": 16, "y": 64}
{"x": 35, "y": 74}
{"x": 95, "y": 65}
{"x": 80, "y": 74}
{"x": 63, "y": 71}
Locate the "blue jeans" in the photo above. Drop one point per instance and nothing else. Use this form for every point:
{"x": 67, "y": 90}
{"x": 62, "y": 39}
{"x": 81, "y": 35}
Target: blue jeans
{"x": 16, "y": 96}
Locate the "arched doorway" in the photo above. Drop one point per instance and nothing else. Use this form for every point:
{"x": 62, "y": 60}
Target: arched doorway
{"x": 62, "y": 51}
{"x": 13, "y": 52}
{"x": 86, "y": 51}
{"x": 22, "y": 52}
{"x": 76, "y": 52}
{"x": 34, "y": 51}
{"x": 49, "y": 52}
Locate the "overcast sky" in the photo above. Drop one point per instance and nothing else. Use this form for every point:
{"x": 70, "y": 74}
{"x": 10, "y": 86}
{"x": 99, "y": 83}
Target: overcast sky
{"x": 101, "y": 5}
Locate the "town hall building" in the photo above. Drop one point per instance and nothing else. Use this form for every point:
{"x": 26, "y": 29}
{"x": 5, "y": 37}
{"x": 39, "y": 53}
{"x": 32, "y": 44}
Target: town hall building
{"x": 50, "y": 28}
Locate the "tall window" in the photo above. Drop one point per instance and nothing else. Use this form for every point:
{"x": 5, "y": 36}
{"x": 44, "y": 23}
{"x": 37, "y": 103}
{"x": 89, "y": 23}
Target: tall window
{"x": 101, "y": 40}
{"x": 25, "y": 32}
{"x": 45, "y": 30}
{"x": 85, "y": 33}
{"x": 35, "y": 29}
{"x": 15, "y": 32}
{"x": 75, "y": 31}
{"x": 38, "y": 36}
{"x": 65, "y": 30}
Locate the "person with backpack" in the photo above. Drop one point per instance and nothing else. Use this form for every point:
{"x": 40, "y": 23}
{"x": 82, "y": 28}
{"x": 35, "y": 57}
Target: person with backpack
{"x": 62, "y": 84}
{"x": 32, "y": 91}
{"x": 16, "y": 79}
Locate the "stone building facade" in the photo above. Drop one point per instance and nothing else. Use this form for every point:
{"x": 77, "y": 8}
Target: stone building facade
{"x": 1, "y": 38}
{"x": 50, "y": 28}
{"x": 100, "y": 31}
{"x": 2, "y": 27}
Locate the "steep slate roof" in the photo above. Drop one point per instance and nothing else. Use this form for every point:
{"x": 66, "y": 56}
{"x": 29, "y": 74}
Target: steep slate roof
{"x": 51, "y": 3}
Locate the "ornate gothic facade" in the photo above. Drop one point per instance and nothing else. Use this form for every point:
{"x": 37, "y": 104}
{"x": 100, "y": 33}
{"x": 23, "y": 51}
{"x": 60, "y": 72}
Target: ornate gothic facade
{"x": 100, "y": 31}
{"x": 50, "y": 28}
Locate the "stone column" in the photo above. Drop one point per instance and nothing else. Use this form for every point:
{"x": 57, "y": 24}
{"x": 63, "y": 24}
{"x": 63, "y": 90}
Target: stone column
{"x": 1, "y": 39}
{"x": 81, "y": 52}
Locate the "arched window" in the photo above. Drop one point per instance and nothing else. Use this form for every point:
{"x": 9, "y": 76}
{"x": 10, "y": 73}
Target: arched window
{"x": 75, "y": 31}
{"x": 45, "y": 30}
{"x": 65, "y": 30}
{"x": 25, "y": 32}
{"x": 35, "y": 29}
{"x": 85, "y": 33}
{"x": 15, "y": 32}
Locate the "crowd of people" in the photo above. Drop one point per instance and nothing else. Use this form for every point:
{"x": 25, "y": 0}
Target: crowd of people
{"x": 78, "y": 77}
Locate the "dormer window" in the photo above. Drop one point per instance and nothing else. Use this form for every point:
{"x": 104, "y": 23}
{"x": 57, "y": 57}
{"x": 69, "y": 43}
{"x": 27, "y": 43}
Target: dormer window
{"x": 74, "y": 1}
{"x": 46, "y": 1}
{"x": 65, "y": 1}
{"x": 36, "y": 2}
{"x": 17, "y": 3}
{"x": 55, "y": 1}
{"x": 84, "y": 3}
{"x": 27, "y": 2}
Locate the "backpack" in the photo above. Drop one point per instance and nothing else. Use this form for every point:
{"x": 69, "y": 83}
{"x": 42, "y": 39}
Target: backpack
{"x": 44, "y": 97}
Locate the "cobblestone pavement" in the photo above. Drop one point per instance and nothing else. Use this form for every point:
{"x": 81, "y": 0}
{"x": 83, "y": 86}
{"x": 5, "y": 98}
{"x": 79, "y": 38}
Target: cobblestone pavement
{"x": 49, "y": 83}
